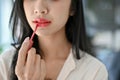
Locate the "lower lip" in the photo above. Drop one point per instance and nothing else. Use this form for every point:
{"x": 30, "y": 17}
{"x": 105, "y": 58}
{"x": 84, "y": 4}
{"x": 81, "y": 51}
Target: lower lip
{"x": 43, "y": 24}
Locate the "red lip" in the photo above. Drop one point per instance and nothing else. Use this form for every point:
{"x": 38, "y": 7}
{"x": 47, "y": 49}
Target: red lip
{"x": 41, "y": 22}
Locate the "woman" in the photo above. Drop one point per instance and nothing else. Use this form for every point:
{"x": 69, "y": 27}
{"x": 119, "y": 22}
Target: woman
{"x": 57, "y": 50}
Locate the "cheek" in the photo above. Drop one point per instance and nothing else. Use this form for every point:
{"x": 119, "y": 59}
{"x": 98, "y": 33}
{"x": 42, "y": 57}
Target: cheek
{"x": 63, "y": 11}
{"x": 28, "y": 9}
{"x": 28, "y": 12}
{"x": 62, "y": 15}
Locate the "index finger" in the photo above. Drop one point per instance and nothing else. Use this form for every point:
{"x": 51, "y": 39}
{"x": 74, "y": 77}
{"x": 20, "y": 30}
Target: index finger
{"x": 23, "y": 52}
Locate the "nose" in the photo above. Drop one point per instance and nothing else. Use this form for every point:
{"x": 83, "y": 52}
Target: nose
{"x": 40, "y": 9}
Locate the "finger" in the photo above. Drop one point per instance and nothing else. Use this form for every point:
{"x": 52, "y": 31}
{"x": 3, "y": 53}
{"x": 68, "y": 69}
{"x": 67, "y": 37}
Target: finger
{"x": 37, "y": 68}
{"x": 42, "y": 69}
{"x": 23, "y": 53}
{"x": 29, "y": 66}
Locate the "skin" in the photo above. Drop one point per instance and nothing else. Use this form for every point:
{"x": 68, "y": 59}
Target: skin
{"x": 30, "y": 66}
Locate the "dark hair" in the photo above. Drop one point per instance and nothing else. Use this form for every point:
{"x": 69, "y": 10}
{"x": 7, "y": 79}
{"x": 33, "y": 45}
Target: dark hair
{"x": 75, "y": 30}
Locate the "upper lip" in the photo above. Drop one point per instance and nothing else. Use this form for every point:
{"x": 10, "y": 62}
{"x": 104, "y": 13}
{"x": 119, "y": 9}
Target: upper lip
{"x": 41, "y": 21}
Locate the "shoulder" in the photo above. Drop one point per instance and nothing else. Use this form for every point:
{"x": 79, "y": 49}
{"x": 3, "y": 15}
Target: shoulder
{"x": 92, "y": 66}
{"x": 89, "y": 60}
{"x": 5, "y": 63}
{"x": 7, "y": 54}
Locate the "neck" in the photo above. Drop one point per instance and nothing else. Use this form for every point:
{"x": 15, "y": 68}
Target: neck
{"x": 55, "y": 46}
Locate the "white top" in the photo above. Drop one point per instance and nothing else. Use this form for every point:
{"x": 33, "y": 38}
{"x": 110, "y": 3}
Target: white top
{"x": 87, "y": 68}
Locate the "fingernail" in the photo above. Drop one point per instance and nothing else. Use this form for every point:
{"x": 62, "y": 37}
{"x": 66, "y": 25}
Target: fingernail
{"x": 26, "y": 39}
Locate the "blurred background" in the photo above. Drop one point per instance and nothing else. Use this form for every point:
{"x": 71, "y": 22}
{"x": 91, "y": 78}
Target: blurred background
{"x": 102, "y": 19}
{"x": 103, "y": 27}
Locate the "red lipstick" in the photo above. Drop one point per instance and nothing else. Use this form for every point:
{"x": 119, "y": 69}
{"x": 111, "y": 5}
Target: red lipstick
{"x": 33, "y": 34}
{"x": 39, "y": 23}
{"x": 42, "y": 22}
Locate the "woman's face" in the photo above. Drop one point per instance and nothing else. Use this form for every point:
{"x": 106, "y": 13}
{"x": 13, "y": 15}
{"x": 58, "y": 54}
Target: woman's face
{"x": 51, "y": 14}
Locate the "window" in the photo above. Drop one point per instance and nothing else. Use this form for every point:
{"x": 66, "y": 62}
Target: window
{"x": 5, "y": 37}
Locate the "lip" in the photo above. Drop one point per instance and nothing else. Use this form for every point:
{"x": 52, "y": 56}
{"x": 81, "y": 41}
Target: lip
{"x": 41, "y": 22}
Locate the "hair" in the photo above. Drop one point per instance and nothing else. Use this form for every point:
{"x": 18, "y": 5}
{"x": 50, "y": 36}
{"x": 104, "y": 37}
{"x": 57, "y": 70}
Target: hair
{"x": 75, "y": 30}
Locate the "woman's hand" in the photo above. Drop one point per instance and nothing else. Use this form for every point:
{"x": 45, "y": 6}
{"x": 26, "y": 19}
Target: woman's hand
{"x": 29, "y": 65}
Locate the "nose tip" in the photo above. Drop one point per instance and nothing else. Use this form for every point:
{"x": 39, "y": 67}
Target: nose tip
{"x": 43, "y": 11}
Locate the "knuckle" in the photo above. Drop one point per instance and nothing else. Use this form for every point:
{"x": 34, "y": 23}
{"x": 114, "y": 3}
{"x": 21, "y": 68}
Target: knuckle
{"x": 19, "y": 51}
{"x": 18, "y": 72}
{"x": 25, "y": 44}
{"x": 38, "y": 56}
{"x": 27, "y": 76}
{"x": 32, "y": 50}
{"x": 36, "y": 77}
